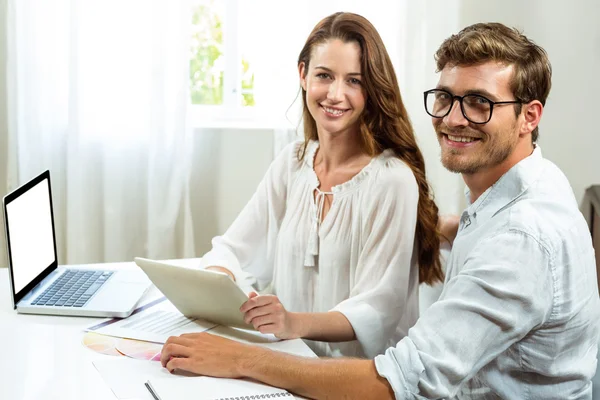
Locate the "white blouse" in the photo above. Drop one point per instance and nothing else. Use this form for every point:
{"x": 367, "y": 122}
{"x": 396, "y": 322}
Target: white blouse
{"x": 360, "y": 261}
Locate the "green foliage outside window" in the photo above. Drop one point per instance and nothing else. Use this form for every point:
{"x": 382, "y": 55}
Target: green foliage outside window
{"x": 247, "y": 84}
{"x": 207, "y": 62}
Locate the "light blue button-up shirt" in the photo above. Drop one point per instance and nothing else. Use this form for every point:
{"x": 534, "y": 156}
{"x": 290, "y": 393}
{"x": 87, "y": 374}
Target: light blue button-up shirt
{"x": 519, "y": 316}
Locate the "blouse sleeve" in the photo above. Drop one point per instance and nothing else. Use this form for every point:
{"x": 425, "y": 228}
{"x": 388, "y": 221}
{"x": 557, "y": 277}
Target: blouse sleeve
{"x": 250, "y": 240}
{"x": 385, "y": 275}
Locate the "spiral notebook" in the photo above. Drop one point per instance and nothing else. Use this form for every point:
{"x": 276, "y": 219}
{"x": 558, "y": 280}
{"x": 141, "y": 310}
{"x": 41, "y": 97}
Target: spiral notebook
{"x": 207, "y": 388}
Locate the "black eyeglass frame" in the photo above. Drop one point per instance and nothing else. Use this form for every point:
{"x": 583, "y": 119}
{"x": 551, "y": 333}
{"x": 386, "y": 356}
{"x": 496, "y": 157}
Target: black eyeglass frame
{"x": 460, "y": 101}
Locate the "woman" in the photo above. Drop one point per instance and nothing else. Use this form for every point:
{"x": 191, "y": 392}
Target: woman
{"x": 343, "y": 224}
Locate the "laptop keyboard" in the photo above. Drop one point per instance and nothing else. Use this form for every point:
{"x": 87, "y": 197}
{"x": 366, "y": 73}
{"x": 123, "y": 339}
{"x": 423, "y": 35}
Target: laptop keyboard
{"x": 73, "y": 288}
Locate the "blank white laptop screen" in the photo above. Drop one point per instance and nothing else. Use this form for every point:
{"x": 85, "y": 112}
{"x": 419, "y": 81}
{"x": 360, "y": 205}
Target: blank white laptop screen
{"x": 31, "y": 238}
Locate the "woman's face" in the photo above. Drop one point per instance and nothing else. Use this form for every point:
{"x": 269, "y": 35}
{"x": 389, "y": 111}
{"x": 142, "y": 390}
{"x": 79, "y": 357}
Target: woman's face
{"x": 333, "y": 83}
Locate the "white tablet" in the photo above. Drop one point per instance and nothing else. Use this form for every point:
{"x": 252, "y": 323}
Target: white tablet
{"x": 198, "y": 293}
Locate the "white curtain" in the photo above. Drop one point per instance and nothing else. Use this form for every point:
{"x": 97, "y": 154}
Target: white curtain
{"x": 4, "y": 151}
{"x": 100, "y": 98}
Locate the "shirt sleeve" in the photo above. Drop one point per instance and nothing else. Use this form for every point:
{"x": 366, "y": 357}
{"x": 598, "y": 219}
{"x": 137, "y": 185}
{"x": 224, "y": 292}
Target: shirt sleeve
{"x": 503, "y": 291}
{"x": 386, "y": 274}
{"x": 250, "y": 240}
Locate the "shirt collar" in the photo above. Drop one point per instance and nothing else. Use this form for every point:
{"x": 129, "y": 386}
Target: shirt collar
{"x": 508, "y": 188}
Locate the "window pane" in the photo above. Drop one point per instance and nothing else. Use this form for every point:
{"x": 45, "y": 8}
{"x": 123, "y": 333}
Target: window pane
{"x": 247, "y": 84}
{"x": 207, "y": 61}
{"x": 250, "y": 19}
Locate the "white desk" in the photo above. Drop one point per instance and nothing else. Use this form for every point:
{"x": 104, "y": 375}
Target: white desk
{"x": 42, "y": 356}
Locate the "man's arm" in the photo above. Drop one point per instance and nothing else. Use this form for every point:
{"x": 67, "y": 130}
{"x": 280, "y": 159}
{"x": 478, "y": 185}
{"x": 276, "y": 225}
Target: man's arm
{"x": 448, "y": 227}
{"x": 317, "y": 378}
{"x": 206, "y": 354}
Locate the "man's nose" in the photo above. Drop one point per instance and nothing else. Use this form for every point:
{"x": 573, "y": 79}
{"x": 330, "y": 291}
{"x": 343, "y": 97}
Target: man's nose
{"x": 455, "y": 117}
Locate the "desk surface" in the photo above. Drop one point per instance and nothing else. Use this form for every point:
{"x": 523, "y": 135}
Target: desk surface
{"x": 43, "y": 358}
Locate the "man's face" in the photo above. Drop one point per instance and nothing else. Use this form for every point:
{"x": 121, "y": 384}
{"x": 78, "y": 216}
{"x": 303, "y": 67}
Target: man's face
{"x": 469, "y": 148}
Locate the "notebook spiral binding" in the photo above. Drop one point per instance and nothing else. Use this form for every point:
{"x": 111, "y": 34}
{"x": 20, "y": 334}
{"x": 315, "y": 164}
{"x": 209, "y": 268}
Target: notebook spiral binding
{"x": 257, "y": 396}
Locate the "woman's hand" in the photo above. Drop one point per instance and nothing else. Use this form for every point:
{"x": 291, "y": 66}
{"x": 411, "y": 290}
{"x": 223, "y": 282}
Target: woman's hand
{"x": 222, "y": 269}
{"x": 267, "y": 315}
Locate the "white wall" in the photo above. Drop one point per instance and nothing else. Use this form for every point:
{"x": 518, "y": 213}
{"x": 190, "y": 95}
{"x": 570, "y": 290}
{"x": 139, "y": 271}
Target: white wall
{"x": 570, "y": 33}
{"x": 228, "y": 166}
{"x": 423, "y": 26}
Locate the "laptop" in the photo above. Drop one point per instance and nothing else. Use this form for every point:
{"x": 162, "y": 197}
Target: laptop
{"x": 38, "y": 284}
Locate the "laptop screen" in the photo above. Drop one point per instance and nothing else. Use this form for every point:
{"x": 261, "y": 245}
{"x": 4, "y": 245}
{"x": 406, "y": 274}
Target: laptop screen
{"x": 30, "y": 233}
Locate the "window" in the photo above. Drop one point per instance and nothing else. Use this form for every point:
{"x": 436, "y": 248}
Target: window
{"x": 243, "y": 68}
{"x": 222, "y": 73}
{"x": 218, "y": 73}
{"x": 243, "y": 58}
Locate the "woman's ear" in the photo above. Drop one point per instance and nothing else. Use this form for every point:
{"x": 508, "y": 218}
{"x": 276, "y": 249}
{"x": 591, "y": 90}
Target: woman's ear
{"x": 302, "y": 73}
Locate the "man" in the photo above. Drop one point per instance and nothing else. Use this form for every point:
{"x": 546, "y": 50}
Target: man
{"x": 519, "y": 314}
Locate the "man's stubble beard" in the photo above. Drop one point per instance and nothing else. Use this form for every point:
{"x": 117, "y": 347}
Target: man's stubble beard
{"x": 493, "y": 154}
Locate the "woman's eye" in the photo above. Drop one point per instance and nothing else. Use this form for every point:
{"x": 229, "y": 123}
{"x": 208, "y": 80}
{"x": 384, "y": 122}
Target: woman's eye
{"x": 323, "y": 75}
{"x": 355, "y": 81}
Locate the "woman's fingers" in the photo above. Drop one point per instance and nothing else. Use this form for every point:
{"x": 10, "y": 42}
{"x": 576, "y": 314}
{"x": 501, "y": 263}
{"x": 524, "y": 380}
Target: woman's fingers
{"x": 258, "y": 301}
{"x": 265, "y": 320}
{"x": 257, "y": 312}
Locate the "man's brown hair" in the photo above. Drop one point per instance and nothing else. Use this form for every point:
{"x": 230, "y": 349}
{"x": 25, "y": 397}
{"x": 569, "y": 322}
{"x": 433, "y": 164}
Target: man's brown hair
{"x": 483, "y": 42}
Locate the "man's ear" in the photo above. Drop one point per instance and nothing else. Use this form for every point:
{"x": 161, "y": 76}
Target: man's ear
{"x": 532, "y": 113}
{"x": 302, "y": 72}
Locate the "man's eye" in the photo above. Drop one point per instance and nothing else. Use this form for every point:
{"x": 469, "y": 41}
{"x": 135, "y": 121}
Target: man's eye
{"x": 477, "y": 101}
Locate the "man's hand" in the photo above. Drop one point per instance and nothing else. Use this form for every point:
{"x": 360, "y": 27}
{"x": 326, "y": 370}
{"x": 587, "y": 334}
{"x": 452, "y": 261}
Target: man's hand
{"x": 210, "y": 355}
{"x": 267, "y": 315}
{"x": 448, "y": 227}
{"x": 205, "y": 354}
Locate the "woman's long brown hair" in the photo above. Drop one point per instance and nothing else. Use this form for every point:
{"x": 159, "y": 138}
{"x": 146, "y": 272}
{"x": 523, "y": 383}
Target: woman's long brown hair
{"x": 384, "y": 123}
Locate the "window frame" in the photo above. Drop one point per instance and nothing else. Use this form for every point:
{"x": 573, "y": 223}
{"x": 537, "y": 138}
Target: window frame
{"x": 231, "y": 113}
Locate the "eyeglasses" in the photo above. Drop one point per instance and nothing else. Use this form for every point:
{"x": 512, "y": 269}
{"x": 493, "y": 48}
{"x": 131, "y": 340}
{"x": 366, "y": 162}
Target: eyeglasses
{"x": 475, "y": 108}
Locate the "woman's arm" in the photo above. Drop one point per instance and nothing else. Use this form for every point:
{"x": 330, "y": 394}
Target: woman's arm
{"x": 268, "y": 315}
{"x": 257, "y": 224}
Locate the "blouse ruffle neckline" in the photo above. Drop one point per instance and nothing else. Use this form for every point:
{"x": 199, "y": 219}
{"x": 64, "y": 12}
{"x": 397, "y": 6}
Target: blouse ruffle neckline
{"x": 311, "y": 253}
{"x": 353, "y": 182}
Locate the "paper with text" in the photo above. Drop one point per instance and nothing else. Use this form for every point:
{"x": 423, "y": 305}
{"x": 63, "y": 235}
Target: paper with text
{"x": 153, "y": 322}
